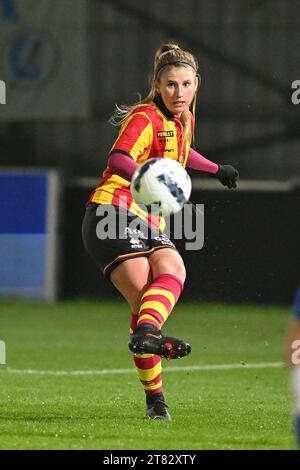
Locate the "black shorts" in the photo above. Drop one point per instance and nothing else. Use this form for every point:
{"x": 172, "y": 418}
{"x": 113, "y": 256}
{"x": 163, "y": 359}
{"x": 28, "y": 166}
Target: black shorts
{"x": 115, "y": 235}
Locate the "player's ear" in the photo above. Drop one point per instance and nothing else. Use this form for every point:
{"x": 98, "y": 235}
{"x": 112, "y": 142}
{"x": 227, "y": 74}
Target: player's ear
{"x": 198, "y": 81}
{"x": 157, "y": 87}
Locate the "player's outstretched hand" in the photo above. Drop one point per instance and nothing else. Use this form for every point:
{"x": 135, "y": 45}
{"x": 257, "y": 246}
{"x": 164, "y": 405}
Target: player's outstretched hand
{"x": 228, "y": 176}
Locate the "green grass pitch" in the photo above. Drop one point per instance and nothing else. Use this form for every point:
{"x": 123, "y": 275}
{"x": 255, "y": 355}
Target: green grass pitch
{"x": 232, "y": 408}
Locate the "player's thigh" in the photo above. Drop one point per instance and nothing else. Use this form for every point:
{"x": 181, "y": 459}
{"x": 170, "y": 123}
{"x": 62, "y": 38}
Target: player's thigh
{"x": 167, "y": 261}
{"x": 131, "y": 278}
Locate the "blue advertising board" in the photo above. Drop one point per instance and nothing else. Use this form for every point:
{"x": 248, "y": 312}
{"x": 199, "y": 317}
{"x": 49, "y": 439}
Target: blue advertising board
{"x": 28, "y": 233}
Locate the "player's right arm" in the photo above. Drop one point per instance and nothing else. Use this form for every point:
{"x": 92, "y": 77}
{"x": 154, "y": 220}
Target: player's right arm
{"x": 135, "y": 138}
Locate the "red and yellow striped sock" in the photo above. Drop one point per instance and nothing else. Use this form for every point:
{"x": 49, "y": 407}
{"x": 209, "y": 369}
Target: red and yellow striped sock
{"x": 159, "y": 299}
{"x": 148, "y": 367}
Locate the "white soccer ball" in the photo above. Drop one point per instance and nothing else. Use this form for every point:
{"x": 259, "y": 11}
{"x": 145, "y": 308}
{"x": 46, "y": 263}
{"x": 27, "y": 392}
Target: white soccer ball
{"x": 162, "y": 185}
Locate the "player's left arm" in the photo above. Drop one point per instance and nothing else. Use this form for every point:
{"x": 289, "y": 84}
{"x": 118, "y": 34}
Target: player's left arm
{"x": 226, "y": 174}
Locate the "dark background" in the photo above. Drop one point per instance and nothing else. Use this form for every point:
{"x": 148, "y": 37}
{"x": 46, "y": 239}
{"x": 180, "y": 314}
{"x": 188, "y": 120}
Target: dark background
{"x": 250, "y": 254}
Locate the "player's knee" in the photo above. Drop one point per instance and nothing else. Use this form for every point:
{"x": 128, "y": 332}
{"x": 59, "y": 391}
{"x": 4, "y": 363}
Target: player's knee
{"x": 168, "y": 265}
{"x": 177, "y": 269}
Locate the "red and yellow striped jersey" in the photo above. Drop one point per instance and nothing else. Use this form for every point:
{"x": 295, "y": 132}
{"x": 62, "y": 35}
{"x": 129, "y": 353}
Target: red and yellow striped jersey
{"x": 147, "y": 133}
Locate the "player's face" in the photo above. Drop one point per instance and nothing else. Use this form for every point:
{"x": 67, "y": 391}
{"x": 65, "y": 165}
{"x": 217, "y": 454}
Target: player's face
{"x": 177, "y": 87}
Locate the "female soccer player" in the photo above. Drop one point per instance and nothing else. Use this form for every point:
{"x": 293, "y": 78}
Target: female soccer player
{"x": 147, "y": 269}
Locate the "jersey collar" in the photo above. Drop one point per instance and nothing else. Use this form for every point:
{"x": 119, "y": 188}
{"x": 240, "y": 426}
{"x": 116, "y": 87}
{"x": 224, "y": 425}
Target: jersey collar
{"x": 162, "y": 107}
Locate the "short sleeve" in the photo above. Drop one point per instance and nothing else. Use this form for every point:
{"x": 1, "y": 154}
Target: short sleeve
{"x": 135, "y": 136}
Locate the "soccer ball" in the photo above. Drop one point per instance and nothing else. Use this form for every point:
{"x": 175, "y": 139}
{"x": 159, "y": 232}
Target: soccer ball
{"x": 161, "y": 185}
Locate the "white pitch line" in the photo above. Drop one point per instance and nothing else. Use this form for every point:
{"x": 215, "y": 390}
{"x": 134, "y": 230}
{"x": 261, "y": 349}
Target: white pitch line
{"x": 260, "y": 365}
